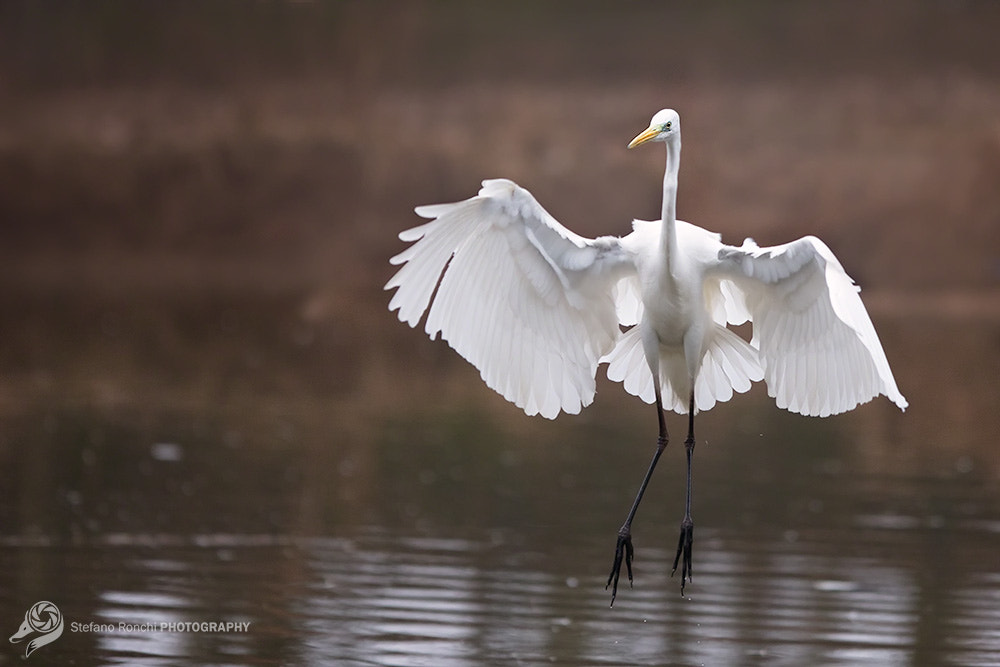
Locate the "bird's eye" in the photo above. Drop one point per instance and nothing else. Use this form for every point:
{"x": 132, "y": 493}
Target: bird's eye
{"x": 666, "y": 126}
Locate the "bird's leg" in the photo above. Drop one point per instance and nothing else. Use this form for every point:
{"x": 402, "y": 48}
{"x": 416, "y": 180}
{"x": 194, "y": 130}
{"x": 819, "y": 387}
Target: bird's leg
{"x": 623, "y": 549}
{"x": 687, "y": 525}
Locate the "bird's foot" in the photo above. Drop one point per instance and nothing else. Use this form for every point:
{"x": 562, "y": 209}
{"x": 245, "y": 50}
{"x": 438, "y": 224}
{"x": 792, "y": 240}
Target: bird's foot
{"x": 684, "y": 551}
{"x": 623, "y": 551}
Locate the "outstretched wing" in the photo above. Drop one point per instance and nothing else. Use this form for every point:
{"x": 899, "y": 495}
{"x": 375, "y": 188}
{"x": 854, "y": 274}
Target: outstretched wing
{"x": 819, "y": 350}
{"x": 526, "y": 301}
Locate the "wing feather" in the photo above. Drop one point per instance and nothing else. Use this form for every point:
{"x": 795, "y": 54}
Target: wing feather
{"x": 525, "y": 300}
{"x": 816, "y": 342}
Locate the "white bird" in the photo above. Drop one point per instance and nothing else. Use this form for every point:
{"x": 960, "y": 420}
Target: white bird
{"x": 536, "y": 308}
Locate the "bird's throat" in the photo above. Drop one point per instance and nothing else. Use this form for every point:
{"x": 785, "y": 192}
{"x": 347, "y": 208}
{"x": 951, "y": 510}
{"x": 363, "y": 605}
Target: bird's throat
{"x": 668, "y": 214}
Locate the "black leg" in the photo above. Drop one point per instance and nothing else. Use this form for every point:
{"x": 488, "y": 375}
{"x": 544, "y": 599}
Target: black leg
{"x": 687, "y": 525}
{"x": 623, "y": 549}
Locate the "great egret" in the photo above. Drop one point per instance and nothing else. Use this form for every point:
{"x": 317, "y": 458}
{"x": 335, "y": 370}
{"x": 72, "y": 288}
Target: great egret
{"x": 536, "y": 308}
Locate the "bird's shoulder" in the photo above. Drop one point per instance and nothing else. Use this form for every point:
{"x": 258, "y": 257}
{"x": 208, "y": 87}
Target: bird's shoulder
{"x": 693, "y": 235}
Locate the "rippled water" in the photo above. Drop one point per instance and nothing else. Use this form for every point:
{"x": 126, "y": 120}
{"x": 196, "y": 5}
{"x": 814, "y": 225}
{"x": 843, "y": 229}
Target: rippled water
{"x": 381, "y": 598}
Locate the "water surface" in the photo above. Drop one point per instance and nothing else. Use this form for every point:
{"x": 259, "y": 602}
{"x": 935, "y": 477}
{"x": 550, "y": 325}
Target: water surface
{"x": 460, "y": 533}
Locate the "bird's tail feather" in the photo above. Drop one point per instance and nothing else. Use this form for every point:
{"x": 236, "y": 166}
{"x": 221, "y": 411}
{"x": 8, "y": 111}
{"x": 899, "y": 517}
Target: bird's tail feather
{"x": 729, "y": 365}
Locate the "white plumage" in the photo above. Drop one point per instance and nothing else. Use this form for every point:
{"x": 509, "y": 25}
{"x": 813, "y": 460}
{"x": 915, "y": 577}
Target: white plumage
{"x": 526, "y": 301}
{"x": 536, "y": 308}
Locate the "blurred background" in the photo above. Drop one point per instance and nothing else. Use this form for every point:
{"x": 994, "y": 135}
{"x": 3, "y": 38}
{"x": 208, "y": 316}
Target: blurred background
{"x": 208, "y": 413}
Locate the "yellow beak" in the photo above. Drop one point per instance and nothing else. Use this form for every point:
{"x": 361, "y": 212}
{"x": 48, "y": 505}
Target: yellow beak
{"x": 648, "y": 134}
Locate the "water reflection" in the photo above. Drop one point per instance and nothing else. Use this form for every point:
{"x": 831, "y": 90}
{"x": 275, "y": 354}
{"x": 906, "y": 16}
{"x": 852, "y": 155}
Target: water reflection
{"x": 420, "y": 601}
{"x": 389, "y": 598}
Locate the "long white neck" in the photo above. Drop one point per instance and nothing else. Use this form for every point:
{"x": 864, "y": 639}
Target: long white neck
{"x": 668, "y": 234}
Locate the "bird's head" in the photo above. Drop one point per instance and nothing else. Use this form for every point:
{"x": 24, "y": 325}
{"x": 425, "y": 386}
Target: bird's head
{"x": 664, "y": 125}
